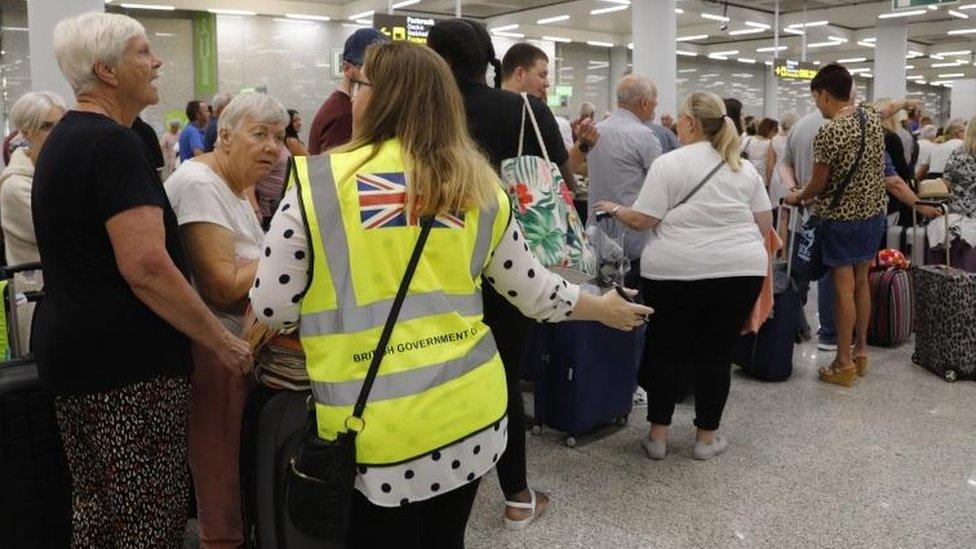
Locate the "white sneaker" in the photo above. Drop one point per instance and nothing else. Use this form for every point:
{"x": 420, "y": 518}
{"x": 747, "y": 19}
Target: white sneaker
{"x": 640, "y": 397}
{"x": 708, "y": 451}
{"x": 826, "y": 346}
{"x": 654, "y": 449}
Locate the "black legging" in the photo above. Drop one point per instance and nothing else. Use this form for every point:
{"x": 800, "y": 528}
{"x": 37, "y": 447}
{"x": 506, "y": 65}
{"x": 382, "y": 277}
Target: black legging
{"x": 695, "y": 325}
{"x": 511, "y": 330}
{"x": 437, "y": 522}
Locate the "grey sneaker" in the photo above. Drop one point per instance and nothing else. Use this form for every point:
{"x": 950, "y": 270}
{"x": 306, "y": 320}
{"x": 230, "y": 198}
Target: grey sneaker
{"x": 654, "y": 449}
{"x": 831, "y": 347}
{"x": 708, "y": 451}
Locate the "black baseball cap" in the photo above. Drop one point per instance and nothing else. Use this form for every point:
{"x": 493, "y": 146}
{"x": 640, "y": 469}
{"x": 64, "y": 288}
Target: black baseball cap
{"x": 355, "y": 48}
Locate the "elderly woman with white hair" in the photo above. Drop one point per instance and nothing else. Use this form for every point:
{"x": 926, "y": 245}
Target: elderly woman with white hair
{"x": 112, "y": 336}
{"x": 224, "y": 240}
{"x": 33, "y": 115}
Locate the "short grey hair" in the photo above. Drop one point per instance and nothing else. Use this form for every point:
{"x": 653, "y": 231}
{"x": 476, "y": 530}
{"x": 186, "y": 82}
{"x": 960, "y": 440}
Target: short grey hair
{"x": 83, "y": 40}
{"x": 220, "y": 101}
{"x": 587, "y": 110}
{"x": 788, "y": 120}
{"x": 955, "y": 126}
{"x": 252, "y": 105}
{"x": 633, "y": 88}
{"x": 928, "y": 131}
{"x": 29, "y": 112}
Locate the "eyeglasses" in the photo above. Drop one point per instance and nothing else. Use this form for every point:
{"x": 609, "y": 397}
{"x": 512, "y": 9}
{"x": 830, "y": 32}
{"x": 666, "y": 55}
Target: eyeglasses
{"x": 358, "y": 85}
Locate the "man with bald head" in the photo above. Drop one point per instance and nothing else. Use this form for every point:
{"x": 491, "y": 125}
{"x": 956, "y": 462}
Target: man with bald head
{"x": 617, "y": 167}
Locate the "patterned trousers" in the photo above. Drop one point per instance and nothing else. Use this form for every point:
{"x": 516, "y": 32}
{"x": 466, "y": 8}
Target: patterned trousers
{"x": 127, "y": 453}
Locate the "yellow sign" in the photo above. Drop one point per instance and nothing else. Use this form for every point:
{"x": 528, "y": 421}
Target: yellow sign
{"x": 794, "y": 70}
{"x": 403, "y": 27}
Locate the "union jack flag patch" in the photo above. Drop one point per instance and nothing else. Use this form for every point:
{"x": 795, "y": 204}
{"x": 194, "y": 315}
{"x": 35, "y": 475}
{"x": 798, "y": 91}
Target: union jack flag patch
{"x": 382, "y": 197}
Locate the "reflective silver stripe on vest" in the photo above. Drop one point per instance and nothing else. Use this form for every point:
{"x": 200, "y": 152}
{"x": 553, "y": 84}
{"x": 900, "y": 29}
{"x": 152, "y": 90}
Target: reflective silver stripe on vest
{"x": 486, "y": 225}
{"x": 358, "y": 319}
{"x": 325, "y": 200}
{"x": 411, "y": 382}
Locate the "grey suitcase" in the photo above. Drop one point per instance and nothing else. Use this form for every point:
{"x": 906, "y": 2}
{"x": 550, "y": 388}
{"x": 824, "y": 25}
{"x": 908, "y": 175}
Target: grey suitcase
{"x": 945, "y": 316}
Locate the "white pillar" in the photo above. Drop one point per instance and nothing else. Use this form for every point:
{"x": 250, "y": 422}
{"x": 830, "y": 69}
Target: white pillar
{"x": 42, "y": 16}
{"x": 770, "y": 93}
{"x": 618, "y": 67}
{"x": 889, "y": 60}
{"x": 963, "y": 99}
{"x": 654, "y": 34}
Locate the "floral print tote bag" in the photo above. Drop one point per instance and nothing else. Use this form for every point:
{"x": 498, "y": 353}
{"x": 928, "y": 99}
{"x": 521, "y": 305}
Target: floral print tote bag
{"x": 544, "y": 207}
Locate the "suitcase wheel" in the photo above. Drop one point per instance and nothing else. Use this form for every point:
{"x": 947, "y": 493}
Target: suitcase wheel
{"x": 951, "y": 376}
{"x": 570, "y": 441}
{"x": 536, "y": 430}
{"x": 915, "y": 361}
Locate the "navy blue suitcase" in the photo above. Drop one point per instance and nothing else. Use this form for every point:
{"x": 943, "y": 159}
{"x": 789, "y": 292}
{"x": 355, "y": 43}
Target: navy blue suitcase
{"x": 587, "y": 376}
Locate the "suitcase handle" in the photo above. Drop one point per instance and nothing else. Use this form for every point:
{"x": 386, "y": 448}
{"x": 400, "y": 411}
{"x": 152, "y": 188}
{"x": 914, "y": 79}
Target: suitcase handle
{"x": 7, "y": 272}
{"x": 947, "y": 244}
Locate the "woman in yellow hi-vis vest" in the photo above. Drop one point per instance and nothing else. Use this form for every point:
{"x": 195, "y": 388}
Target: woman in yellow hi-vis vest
{"x": 334, "y": 258}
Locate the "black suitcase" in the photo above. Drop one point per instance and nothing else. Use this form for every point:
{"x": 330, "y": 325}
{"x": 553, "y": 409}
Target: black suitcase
{"x": 35, "y": 487}
{"x": 271, "y": 417}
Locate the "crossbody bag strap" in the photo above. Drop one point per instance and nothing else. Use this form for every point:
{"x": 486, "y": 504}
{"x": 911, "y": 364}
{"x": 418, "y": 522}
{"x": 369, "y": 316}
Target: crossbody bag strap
{"x": 535, "y": 126}
{"x": 700, "y": 184}
{"x": 842, "y": 187}
{"x": 374, "y": 365}
{"x": 525, "y": 107}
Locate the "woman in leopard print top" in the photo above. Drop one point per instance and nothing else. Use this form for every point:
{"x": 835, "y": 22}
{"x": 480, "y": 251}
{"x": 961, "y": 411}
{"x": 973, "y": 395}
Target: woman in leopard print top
{"x": 849, "y": 229}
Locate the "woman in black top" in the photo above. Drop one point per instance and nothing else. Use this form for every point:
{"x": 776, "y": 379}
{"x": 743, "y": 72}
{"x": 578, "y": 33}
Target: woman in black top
{"x": 292, "y": 141}
{"x": 494, "y": 119}
{"x": 111, "y": 336}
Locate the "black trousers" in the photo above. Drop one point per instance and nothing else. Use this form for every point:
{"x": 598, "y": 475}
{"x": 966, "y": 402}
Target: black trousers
{"x": 694, "y": 327}
{"x": 438, "y": 522}
{"x": 511, "y": 330}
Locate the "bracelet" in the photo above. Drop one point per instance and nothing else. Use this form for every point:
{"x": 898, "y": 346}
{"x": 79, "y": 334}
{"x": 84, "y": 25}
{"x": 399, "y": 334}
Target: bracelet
{"x": 584, "y": 147}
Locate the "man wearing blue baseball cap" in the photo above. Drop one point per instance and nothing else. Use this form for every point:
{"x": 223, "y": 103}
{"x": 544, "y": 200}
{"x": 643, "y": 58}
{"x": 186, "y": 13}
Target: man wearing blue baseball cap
{"x": 332, "y": 125}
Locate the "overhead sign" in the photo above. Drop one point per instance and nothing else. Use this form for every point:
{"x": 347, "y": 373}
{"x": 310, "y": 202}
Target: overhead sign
{"x": 790, "y": 69}
{"x": 403, "y": 27}
{"x": 908, "y": 4}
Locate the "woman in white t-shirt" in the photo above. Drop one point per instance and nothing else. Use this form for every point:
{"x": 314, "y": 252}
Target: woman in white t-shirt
{"x": 777, "y": 151}
{"x": 756, "y": 147}
{"x": 702, "y": 267}
{"x": 224, "y": 240}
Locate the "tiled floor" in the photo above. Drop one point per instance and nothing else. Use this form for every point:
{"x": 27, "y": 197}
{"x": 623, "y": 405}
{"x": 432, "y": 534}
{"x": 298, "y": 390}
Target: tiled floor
{"x": 890, "y": 463}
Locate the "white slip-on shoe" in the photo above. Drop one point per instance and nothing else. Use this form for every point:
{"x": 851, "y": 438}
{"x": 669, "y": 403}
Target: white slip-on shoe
{"x": 654, "y": 449}
{"x": 708, "y": 451}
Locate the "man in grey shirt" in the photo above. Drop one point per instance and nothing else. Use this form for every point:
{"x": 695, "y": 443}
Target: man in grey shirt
{"x": 669, "y": 141}
{"x": 795, "y": 171}
{"x": 618, "y": 166}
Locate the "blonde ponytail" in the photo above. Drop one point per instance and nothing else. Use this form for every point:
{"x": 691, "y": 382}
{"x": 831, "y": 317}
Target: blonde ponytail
{"x": 709, "y": 110}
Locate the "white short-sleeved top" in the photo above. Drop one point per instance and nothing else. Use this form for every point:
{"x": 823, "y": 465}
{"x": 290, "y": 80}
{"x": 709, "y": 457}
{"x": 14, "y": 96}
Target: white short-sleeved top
{"x": 714, "y": 234}
{"x": 199, "y": 195}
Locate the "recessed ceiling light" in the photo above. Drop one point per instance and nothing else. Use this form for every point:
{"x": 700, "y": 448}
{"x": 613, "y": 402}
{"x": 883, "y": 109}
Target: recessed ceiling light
{"x": 504, "y": 28}
{"x": 601, "y": 11}
{"x": 746, "y": 60}
{"x": 961, "y": 31}
{"x": 686, "y": 53}
{"x": 555, "y": 19}
{"x": 955, "y": 52}
{"x": 232, "y": 12}
{"x": 943, "y": 65}
{"x": 362, "y": 15}
{"x": 714, "y": 17}
{"x": 968, "y": 7}
{"x": 745, "y": 31}
{"x": 557, "y": 39}
{"x": 952, "y": 75}
{"x": 307, "y": 17}
{"x": 914, "y": 77}
{"x": 404, "y": 4}
{"x": 793, "y": 31}
{"x": 678, "y": 11}
{"x": 958, "y": 14}
{"x": 771, "y": 49}
{"x": 853, "y": 60}
{"x": 909, "y": 13}
{"x": 158, "y": 7}
{"x": 808, "y": 25}
{"x": 756, "y": 25}
{"x": 725, "y": 53}
{"x": 909, "y": 67}
{"x": 364, "y": 21}
{"x": 509, "y": 34}
{"x": 692, "y": 37}
{"x": 824, "y": 44}
{"x": 600, "y": 44}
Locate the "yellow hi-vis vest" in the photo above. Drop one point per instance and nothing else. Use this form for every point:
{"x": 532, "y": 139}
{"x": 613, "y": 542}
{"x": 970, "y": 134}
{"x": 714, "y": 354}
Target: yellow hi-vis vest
{"x": 441, "y": 378}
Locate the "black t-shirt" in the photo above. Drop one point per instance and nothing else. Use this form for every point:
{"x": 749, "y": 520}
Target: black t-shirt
{"x": 91, "y": 333}
{"x": 146, "y": 133}
{"x": 494, "y": 118}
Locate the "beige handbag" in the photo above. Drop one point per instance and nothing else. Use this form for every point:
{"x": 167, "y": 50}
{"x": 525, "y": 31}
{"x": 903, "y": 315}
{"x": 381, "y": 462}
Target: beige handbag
{"x": 933, "y": 189}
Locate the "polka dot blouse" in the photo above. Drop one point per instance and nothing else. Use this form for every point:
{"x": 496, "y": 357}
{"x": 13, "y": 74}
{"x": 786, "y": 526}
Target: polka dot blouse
{"x": 512, "y": 270}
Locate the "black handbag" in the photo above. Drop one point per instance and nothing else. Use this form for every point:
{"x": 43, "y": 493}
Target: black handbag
{"x": 320, "y": 474}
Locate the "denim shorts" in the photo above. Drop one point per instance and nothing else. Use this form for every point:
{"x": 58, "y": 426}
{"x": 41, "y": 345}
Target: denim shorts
{"x": 851, "y": 242}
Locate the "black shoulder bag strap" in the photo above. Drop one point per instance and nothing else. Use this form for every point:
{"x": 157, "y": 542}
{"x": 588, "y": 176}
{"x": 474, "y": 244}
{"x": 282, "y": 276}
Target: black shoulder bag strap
{"x": 374, "y": 365}
{"x": 700, "y": 184}
{"x": 839, "y": 191}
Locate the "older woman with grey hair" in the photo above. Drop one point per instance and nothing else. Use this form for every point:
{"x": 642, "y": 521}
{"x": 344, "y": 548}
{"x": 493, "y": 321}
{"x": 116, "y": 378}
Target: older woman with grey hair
{"x": 224, "y": 239}
{"x": 33, "y": 115}
{"x": 112, "y": 336}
